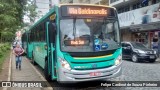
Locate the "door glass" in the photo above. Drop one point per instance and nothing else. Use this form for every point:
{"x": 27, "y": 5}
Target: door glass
{"x": 128, "y": 47}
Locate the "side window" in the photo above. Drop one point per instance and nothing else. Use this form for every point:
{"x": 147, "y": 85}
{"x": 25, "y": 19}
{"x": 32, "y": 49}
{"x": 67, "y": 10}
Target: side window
{"x": 40, "y": 33}
{"x": 43, "y": 35}
{"x": 128, "y": 46}
{"x": 29, "y": 36}
{"x": 52, "y": 31}
{"x": 37, "y": 34}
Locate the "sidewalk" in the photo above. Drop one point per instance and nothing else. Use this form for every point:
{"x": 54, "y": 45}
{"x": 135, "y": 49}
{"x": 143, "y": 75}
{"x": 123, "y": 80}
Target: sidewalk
{"x": 27, "y": 73}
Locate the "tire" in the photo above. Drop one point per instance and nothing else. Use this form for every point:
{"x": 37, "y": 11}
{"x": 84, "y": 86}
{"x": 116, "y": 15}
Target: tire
{"x": 47, "y": 76}
{"x": 134, "y": 58}
{"x": 152, "y": 61}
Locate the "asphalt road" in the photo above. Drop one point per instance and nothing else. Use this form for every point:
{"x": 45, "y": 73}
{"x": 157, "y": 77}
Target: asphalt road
{"x": 143, "y": 71}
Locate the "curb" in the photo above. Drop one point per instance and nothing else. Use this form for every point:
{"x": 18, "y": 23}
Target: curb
{"x": 48, "y": 88}
{"x": 9, "y": 71}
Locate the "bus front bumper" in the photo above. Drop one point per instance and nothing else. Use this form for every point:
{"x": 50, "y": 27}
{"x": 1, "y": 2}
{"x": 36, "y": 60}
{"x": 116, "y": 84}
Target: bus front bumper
{"x": 73, "y": 76}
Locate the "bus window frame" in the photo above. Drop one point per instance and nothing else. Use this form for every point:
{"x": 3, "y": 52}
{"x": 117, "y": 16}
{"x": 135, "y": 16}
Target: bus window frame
{"x": 112, "y": 18}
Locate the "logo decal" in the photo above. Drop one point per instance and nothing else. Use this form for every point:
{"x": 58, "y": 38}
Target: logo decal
{"x": 94, "y": 65}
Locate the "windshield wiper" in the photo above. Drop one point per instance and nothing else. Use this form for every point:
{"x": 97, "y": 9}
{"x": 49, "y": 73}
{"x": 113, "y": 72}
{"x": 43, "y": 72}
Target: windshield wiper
{"x": 74, "y": 27}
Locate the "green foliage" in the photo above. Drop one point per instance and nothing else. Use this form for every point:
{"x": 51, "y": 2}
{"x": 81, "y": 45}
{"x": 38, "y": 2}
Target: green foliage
{"x": 10, "y": 13}
{"x": 4, "y": 52}
{"x": 30, "y": 10}
{"x": 11, "y": 17}
{"x": 4, "y": 48}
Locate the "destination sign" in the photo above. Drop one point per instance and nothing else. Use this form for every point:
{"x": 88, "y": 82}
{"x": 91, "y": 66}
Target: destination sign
{"x": 76, "y": 42}
{"x": 91, "y": 11}
{"x": 86, "y": 10}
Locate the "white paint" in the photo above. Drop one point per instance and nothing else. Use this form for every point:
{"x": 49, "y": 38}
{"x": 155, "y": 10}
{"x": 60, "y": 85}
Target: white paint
{"x": 115, "y": 3}
{"x": 55, "y": 2}
{"x": 9, "y": 70}
{"x": 94, "y": 1}
{"x": 10, "y": 66}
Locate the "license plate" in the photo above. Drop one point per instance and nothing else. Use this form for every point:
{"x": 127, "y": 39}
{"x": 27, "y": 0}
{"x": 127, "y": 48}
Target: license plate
{"x": 152, "y": 57}
{"x": 95, "y": 74}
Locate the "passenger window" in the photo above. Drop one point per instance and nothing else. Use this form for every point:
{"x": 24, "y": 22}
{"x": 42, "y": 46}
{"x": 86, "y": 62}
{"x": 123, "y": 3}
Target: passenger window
{"x": 123, "y": 45}
{"x": 127, "y": 45}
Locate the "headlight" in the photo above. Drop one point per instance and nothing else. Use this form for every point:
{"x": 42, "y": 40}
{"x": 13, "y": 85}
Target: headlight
{"x": 155, "y": 52}
{"x": 64, "y": 64}
{"x": 118, "y": 60}
{"x": 142, "y": 52}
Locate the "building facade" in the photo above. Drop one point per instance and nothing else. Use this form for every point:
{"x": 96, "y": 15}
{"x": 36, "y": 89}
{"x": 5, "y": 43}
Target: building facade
{"x": 101, "y": 2}
{"x": 42, "y": 7}
{"x": 139, "y": 20}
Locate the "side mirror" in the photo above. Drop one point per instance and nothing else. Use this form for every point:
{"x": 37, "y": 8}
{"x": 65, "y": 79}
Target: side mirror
{"x": 128, "y": 47}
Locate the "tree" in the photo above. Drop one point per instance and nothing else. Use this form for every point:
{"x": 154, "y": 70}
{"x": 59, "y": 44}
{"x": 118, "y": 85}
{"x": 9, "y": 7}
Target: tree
{"x": 11, "y": 17}
{"x": 30, "y": 10}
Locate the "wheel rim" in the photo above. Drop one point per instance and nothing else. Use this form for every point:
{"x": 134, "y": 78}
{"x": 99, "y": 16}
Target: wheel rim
{"x": 134, "y": 58}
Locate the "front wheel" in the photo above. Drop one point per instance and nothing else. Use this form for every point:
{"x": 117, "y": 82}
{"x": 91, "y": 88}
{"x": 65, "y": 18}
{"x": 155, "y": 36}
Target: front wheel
{"x": 134, "y": 58}
{"x": 46, "y": 74}
{"x": 152, "y": 61}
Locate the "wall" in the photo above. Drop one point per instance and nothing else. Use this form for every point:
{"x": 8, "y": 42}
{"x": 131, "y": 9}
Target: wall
{"x": 140, "y": 16}
{"x": 95, "y": 1}
{"x": 42, "y": 8}
{"x": 126, "y": 35}
{"x": 64, "y": 1}
{"x": 115, "y": 3}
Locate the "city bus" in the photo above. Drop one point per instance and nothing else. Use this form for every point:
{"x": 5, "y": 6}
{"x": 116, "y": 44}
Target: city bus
{"x": 75, "y": 43}
{"x": 28, "y": 47}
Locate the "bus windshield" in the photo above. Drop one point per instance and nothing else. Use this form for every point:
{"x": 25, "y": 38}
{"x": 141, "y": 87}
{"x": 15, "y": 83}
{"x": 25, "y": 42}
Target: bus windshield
{"x": 89, "y": 35}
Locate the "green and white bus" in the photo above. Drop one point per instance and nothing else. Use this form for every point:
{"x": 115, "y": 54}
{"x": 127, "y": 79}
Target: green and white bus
{"x": 76, "y": 43}
{"x": 27, "y": 45}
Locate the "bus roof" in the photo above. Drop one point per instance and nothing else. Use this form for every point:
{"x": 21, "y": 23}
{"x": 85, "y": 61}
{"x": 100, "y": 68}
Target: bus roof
{"x": 43, "y": 18}
{"x": 87, "y": 5}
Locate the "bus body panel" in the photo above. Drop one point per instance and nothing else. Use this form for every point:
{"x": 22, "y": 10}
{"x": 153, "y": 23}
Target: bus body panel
{"x": 74, "y": 76}
{"x": 39, "y": 53}
{"x": 30, "y": 50}
{"x": 92, "y": 63}
{"x": 83, "y": 71}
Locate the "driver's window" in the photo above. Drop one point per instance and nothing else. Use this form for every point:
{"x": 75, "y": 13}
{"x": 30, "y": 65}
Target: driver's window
{"x": 128, "y": 46}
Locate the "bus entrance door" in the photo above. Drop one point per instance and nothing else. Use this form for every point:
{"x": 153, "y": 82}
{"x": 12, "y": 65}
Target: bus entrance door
{"x": 50, "y": 38}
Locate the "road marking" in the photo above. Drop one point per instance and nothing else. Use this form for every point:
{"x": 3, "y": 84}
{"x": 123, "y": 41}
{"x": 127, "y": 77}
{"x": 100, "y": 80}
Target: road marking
{"x": 48, "y": 88}
{"x": 9, "y": 71}
{"x": 10, "y": 65}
